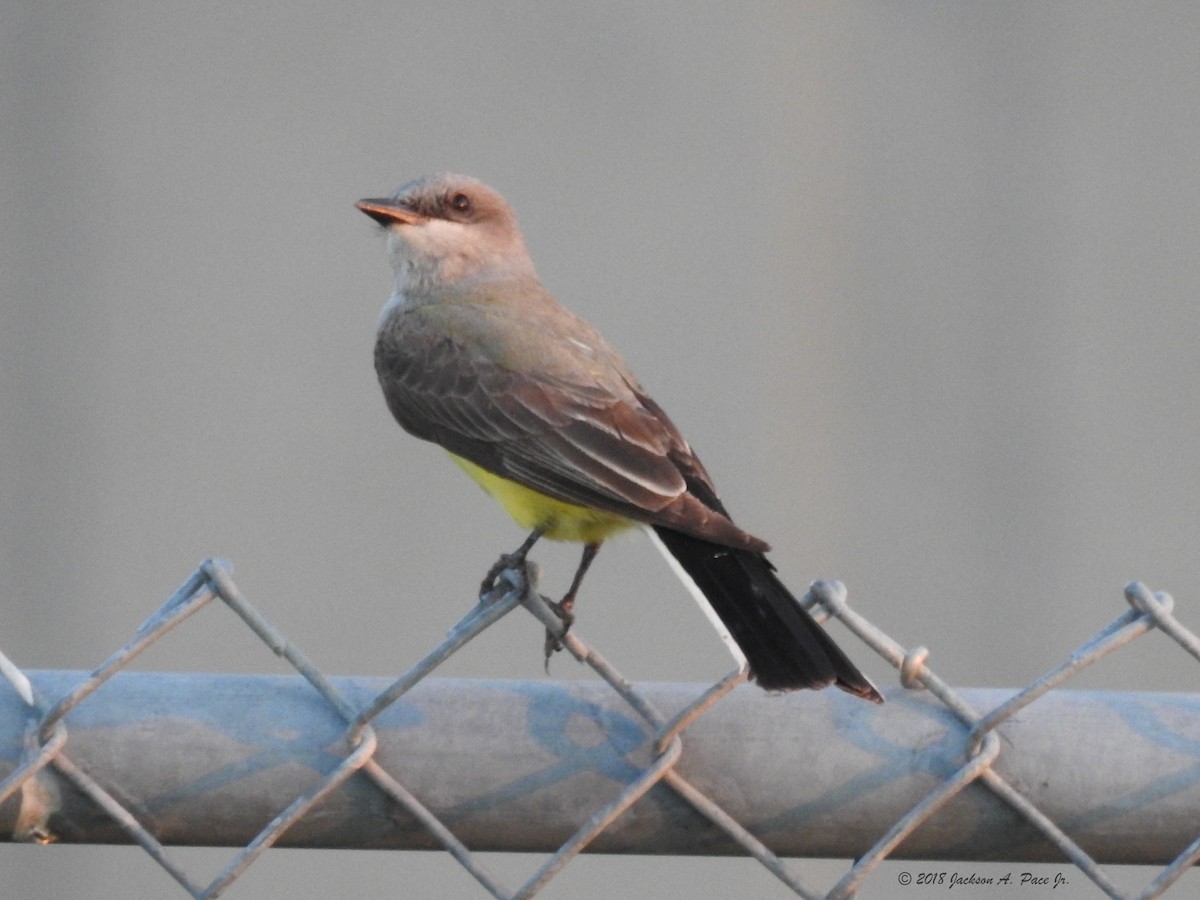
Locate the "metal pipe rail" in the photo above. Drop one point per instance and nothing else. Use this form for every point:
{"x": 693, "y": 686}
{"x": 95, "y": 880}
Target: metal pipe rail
{"x": 519, "y": 765}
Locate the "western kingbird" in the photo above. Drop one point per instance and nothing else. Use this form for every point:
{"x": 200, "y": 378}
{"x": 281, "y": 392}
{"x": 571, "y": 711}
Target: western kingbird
{"x": 473, "y": 354}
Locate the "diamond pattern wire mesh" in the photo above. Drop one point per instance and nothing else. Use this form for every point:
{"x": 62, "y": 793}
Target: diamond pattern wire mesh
{"x": 47, "y": 740}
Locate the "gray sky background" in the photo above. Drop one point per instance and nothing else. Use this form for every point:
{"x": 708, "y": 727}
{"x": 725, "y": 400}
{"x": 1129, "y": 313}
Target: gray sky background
{"x": 919, "y": 281}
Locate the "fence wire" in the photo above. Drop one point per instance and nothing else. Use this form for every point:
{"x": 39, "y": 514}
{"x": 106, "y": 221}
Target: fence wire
{"x": 47, "y": 742}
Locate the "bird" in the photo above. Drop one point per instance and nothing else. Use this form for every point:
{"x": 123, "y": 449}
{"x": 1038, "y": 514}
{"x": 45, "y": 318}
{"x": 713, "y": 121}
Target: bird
{"x": 474, "y": 354}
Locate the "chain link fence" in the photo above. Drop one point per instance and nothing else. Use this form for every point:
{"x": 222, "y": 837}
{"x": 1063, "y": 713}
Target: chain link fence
{"x": 47, "y": 795}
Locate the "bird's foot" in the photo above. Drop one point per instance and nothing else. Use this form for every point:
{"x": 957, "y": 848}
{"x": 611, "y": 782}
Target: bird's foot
{"x": 507, "y": 561}
{"x": 564, "y": 610}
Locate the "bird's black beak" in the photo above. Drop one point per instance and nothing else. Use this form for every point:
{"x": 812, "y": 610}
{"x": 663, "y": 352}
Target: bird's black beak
{"x": 386, "y": 211}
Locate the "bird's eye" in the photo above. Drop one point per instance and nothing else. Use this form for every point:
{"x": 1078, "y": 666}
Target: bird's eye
{"x": 461, "y": 202}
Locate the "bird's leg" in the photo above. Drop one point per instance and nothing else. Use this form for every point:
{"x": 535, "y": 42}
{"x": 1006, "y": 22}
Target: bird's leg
{"x": 513, "y": 560}
{"x": 564, "y": 607}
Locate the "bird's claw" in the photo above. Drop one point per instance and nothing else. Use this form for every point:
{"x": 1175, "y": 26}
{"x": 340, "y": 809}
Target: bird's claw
{"x": 562, "y": 609}
{"x": 506, "y": 562}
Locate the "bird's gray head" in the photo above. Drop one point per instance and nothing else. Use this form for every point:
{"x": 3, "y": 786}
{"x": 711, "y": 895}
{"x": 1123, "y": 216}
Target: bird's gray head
{"x": 449, "y": 230}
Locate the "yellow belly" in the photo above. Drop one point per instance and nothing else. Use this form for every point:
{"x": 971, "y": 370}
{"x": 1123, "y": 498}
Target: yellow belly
{"x": 531, "y": 509}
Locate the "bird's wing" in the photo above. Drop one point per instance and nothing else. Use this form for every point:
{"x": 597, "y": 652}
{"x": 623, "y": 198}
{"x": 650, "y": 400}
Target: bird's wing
{"x": 595, "y": 442}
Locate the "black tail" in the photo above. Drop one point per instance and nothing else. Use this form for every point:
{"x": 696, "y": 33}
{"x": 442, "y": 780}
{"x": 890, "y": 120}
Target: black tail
{"x": 785, "y": 648}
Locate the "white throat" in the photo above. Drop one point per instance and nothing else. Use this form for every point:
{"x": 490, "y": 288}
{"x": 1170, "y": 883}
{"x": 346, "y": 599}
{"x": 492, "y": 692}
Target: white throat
{"x": 398, "y": 300}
